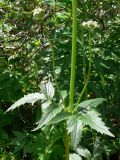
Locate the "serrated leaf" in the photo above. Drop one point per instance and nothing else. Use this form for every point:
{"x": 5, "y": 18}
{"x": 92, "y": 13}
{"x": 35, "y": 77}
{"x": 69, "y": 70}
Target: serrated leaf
{"x": 92, "y": 119}
{"x": 84, "y": 153}
{"x": 74, "y": 126}
{"x": 30, "y": 98}
{"x": 60, "y": 117}
{"x": 92, "y": 103}
{"x": 97, "y": 152}
{"x": 48, "y": 116}
{"x": 74, "y": 156}
{"x": 48, "y": 89}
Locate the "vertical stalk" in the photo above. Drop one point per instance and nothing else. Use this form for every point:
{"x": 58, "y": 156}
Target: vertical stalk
{"x": 84, "y": 58}
{"x": 89, "y": 70}
{"x": 73, "y": 64}
{"x": 73, "y": 57}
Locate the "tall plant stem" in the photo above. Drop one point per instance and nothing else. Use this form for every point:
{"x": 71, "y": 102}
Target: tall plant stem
{"x": 73, "y": 64}
{"x": 84, "y": 58}
{"x": 73, "y": 57}
{"x": 89, "y": 70}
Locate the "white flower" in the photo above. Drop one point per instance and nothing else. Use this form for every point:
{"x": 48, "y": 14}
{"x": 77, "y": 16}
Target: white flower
{"x": 84, "y": 24}
{"x": 37, "y": 11}
{"x": 90, "y": 24}
{"x": 102, "y": 12}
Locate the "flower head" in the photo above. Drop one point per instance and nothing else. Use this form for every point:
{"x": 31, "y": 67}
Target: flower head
{"x": 37, "y": 11}
{"x": 90, "y": 24}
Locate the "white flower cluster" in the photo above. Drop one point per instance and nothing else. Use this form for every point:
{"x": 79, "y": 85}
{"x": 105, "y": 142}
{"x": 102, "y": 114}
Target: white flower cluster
{"x": 90, "y": 24}
{"x": 102, "y": 12}
{"x": 37, "y": 11}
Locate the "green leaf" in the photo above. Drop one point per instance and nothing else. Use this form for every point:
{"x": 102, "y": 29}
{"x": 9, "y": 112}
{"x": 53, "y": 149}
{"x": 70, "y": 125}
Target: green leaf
{"x": 30, "y": 98}
{"x": 74, "y": 126}
{"x": 75, "y": 156}
{"x": 48, "y": 89}
{"x": 97, "y": 155}
{"x": 63, "y": 94}
{"x": 45, "y": 105}
{"x": 92, "y": 119}
{"x": 92, "y": 103}
{"x": 60, "y": 117}
{"x": 84, "y": 153}
{"x": 48, "y": 116}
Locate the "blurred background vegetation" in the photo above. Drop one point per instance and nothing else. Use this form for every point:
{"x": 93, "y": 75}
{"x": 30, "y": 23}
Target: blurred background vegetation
{"x": 25, "y": 61}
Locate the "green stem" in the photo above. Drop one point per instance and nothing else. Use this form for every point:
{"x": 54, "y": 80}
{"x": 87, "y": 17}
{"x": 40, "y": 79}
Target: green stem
{"x": 73, "y": 57}
{"x": 89, "y": 70}
{"x": 84, "y": 58}
{"x": 73, "y": 64}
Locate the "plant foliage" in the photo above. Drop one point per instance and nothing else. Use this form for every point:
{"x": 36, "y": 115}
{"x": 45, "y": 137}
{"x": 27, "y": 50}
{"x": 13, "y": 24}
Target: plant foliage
{"x": 92, "y": 119}
{"x": 36, "y": 41}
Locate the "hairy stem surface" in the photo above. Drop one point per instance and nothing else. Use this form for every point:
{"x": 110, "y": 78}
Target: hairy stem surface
{"x": 73, "y": 57}
{"x": 73, "y": 65}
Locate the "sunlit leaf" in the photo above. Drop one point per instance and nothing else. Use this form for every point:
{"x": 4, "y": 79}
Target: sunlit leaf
{"x": 92, "y": 103}
{"x": 48, "y": 116}
{"x": 60, "y": 117}
{"x": 30, "y": 98}
{"x": 47, "y": 89}
{"x": 74, "y": 126}
{"x": 75, "y": 157}
{"x": 92, "y": 119}
{"x": 63, "y": 94}
{"x": 84, "y": 153}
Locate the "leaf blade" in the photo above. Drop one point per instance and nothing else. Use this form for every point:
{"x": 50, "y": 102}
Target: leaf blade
{"x": 47, "y": 117}
{"x": 84, "y": 153}
{"x": 30, "y": 98}
{"x": 92, "y": 119}
{"x": 74, "y": 126}
{"x": 47, "y": 89}
{"x": 60, "y": 117}
{"x": 92, "y": 103}
{"x": 75, "y": 156}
